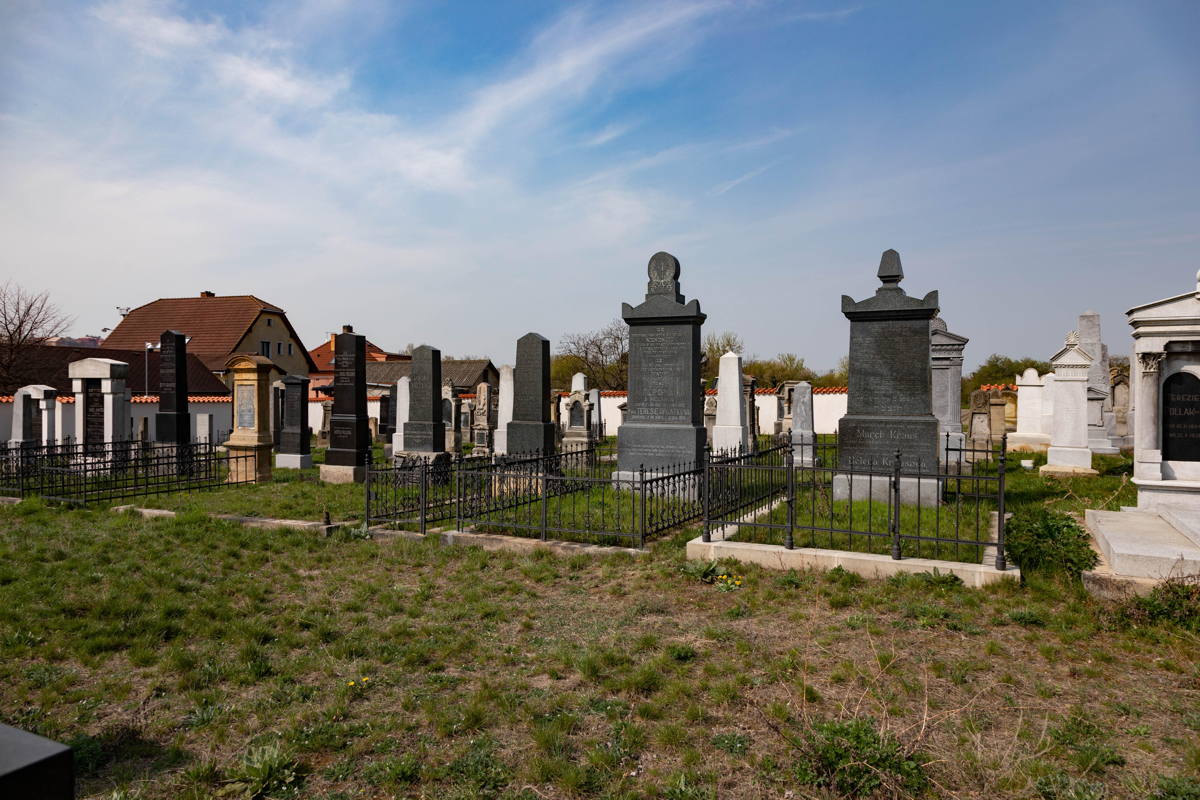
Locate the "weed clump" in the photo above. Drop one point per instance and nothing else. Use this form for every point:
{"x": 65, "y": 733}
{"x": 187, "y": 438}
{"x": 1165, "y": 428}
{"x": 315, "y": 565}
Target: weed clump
{"x": 1039, "y": 539}
{"x": 1176, "y": 600}
{"x": 853, "y": 758}
{"x": 266, "y": 771}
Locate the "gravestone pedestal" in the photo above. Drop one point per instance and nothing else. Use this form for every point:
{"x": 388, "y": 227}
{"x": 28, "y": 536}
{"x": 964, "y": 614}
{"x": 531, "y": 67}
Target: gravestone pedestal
{"x": 664, "y": 425}
{"x": 250, "y": 443}
{"x": 890, "y": 404}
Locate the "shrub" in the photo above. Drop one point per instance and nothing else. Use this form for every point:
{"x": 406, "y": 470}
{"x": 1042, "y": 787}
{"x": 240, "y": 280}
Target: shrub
{"x": 1039, "y": 539}
{"x": 854, "y": 759}
{"x": 1174, "y": 600}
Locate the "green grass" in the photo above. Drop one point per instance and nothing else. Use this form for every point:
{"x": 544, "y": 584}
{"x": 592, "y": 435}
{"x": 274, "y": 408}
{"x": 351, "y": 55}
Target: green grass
{"x": 184, "y": 656}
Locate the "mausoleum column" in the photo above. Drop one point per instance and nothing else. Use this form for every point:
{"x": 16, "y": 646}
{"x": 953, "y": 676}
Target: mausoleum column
{"x": 1147, "y": 455}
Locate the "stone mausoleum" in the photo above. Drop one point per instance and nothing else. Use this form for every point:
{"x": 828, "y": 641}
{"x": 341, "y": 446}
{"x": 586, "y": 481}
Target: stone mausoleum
{"x": 1161, "y": 537}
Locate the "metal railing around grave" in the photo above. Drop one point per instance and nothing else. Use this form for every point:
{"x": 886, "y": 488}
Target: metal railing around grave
{"x": 79, "y": 473}
{"x": 803, "y": 499}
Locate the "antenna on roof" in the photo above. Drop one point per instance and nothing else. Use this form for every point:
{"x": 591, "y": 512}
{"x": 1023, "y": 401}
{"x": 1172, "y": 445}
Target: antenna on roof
{"x": 124, "y": 310}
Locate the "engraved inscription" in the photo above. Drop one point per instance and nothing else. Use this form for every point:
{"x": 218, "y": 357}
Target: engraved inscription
{"x": 244, "y": 401}
{"x": 660, "y": 389}
{"x": 1181, "y": 418}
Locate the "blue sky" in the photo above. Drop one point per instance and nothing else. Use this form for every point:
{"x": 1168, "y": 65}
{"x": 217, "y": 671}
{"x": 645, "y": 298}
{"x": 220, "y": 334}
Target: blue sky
{"x": 462, "y": 173}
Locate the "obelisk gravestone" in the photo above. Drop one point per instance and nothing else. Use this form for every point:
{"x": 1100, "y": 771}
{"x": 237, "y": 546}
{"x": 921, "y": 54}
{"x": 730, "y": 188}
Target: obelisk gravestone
{"x": 172, "y": 423}
{"x": 425, "y": 431}
{"x": 349, "y": 434}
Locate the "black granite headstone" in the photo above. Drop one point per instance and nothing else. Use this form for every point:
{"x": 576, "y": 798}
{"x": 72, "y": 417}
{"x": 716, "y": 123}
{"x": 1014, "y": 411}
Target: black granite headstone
{"x": 393, "y": 397}
{"x": 425, "y": 432}
{"x": 294, "y": 435}
{"x": 664, "y": 425}
{"x": 1181, "y": 418}
{"x": 31, "y": 420}
{"x": 349, "y": 434}
{"x": 890, "y": 404}
{"x": 575, "y": 416}
{"x": 277, "y": 398}
{"x": 530, "y": 430}
{"x": 385, "y": 402}
{"x": 93, "y": 417}
{"x": 172, "y": 423}
{"x": 34, "y": 767}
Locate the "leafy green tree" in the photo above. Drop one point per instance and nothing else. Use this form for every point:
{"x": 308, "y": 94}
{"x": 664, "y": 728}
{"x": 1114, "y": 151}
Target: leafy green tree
{"x": 1000, "y": 369}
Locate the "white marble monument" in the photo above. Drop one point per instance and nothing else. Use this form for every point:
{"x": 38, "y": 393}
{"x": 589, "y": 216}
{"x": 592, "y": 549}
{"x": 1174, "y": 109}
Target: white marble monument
{"x": 1068, "y": 453}
{"x": 102, "y": 413}
{"x": 730, "y": 433}
{"x": 403, "y": 395}
{"x": 504, "y": 410}
{"x": 804, "y": 438}
{"x": 1030, "y": 434}
{"x": 33, "y": 416}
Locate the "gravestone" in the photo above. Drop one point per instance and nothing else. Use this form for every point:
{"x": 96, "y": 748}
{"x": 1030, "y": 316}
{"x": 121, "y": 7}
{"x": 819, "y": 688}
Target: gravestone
{"x": 326, "y": 422}
{"x": 204, "y": 428}
{"x": 710, "y": 417}
{"x": 102, "y": 403}
{"x": 730, "y": 433}
{"x": 1029, "y": 435}
{"x": 295, "y": 451}
{"x": 531, "y": 431}
{"x": 33, "y": 419}
{"x": 172, "y": 423}
{"x": 1181, "y": 418}
{"x": 804, "y": 437}
{"x": 403, "y": 396}
{"x": 597, "y": 417}
{"x": 393, "y": 397}
{"x": 349, "y": 433}
{"x": 277, "y": 412}
{"x": 998, "y": 403}
{"x": 578, "y": 435}
{"x": 504, "y": 409}
{"x": 946, "y": 360}
{"x": 425, "y": 431}
{"x": 250, "y": 443}
{"x": 1068, "y": 453}
{"x": 890, "y": 404}
{"x": 32, "y": 767}
{"x": 1101, "y": 422}
{"x": 979, "y": 421}
{"x": 483, "y": 420}
{"x": 663, "y": 426}
{"x": 384, "y": 431}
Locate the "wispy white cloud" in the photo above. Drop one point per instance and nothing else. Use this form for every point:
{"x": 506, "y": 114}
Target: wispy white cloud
{"x": 608, "y": 133}
{"x": 822, "y": 16}
{"x": 722, "y": 188}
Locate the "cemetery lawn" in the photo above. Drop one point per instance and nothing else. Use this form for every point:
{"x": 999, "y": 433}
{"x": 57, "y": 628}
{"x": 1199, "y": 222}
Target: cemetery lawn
{"x": 187, "y": 657}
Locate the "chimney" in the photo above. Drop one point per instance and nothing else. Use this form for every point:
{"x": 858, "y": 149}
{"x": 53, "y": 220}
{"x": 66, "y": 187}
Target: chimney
{"x": 207, "y": 294}
{"x": 347, "y": 329}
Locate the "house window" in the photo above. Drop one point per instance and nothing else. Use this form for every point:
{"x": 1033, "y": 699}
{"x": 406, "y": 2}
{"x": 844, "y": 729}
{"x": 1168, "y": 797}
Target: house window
{"x": 289, "y": 348}
{"x": 268, "y": 322}
{"x": 264, "y": 348}
{"x": 279, "y": 348}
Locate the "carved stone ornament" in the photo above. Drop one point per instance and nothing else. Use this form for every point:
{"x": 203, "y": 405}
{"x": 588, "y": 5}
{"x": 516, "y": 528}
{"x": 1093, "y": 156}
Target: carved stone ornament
{"x": 1150, "y": 362}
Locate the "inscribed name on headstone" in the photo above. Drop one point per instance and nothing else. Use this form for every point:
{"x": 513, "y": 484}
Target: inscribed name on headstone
{"x": 93, "y": 415}
{"x": 1181, "y": 418}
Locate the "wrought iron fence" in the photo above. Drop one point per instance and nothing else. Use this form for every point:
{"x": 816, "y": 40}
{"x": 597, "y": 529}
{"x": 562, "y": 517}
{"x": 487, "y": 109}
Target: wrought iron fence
{"x": 806, "y": 499}
{"x": 76, "y": 472}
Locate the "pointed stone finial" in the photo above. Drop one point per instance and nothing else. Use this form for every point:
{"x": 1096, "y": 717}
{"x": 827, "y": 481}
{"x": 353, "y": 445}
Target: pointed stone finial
{"x": 1072, "y": 338}
{"x": 1198, "y": 281}
{"x": 890, "y": 271}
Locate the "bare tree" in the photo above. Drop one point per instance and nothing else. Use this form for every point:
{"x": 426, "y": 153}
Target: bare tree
{"x": 603, "y": 355}
{"x": 717, "y": 345}
{"x": 27, "y": 319}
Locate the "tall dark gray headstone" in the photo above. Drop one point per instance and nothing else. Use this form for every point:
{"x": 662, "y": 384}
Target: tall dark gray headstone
{"x": 890, "y": 405}
{"x": 295, "y": 449}
{"x": 393, "y": 399}
{"x": 530, "y": 430}
{"x": 172, "y": 423}
{"x": 33, "y": 766}
{"x": 349, "y": 436}
{"x": 425, "y": 432}
{"x": 664, "y": 425}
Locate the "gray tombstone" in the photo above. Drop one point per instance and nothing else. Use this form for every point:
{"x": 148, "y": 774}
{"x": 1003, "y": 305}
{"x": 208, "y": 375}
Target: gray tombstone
{"x": 400, "y": 409}
{"x": 295, "y": 451}
{"x": 946, "y": 361}
{"x": 172, "y": 423}
{"x": 1101, "y": 419}
{"x": 664, "y": 426}
{"x": 504, "y": 409}
{"x": 890, "y": 404}
{"x": 531, "y": 430}
{"x": 349, "y": 432}
{"x": 425, "y": 432}
{"x": 804, "y": 438}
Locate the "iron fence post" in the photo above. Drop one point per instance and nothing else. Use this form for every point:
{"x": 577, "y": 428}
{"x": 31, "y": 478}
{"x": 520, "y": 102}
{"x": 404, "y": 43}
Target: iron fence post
{"x": 456, "y": 478}
{"x": 789, "y": 462}
{"x": 704, "y": 476}
{"x": 367, "y": 491}
{"x": 642, "y": 521}
{"x": 1001, "y": 561}
{"x": 545, "y": 491}
{"x": 895, "y": 520}
{"x": 422, "y": 494}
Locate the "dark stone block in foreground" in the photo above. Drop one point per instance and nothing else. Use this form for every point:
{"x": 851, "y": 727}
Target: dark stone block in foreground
{"x": 34, "y": 768}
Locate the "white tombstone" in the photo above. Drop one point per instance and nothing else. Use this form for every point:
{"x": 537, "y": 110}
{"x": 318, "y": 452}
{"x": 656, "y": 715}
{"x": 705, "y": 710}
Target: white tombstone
{"x": 403, "y": 396}
{"x": 1047, "y": 403}
{"x": 804, "y": 438}
{"x": 204, "y": 427}
{"x": 33, "y": 416}
{"x": 597, "y": 417}
{"x": 1029, "y": 434}
{"x": 1068, "y": 453}
{"x": 730, "y": 432}
{"x": 504, "y": 409}
{"x": 102, "y": 408}
{"x": 578, "y": 382}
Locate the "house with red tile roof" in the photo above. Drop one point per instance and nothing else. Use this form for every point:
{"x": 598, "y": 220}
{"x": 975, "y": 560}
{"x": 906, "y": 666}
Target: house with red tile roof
{"x": 218, "y": 327}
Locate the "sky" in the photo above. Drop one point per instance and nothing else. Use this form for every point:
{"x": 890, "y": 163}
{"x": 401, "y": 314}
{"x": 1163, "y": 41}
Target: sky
{"x": 462, "y": 173}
